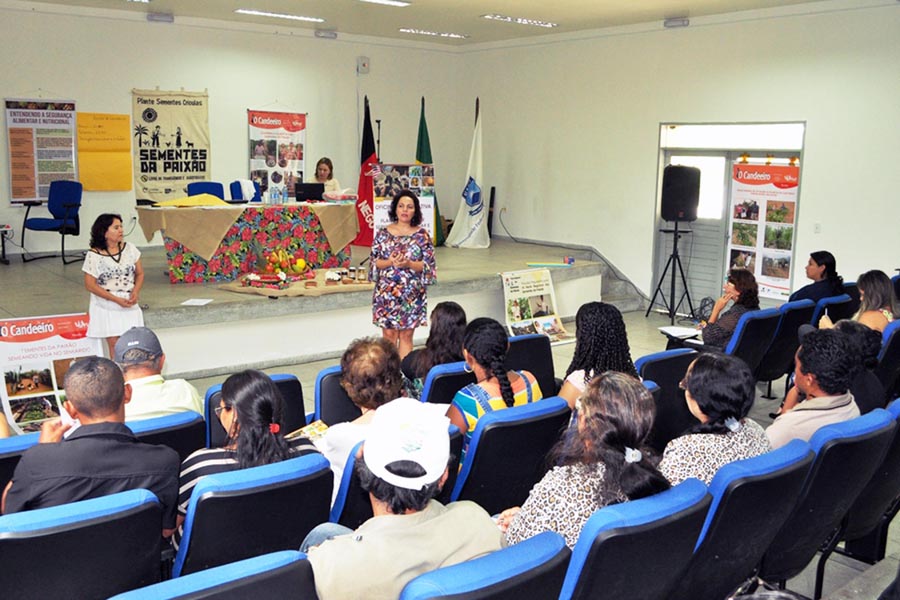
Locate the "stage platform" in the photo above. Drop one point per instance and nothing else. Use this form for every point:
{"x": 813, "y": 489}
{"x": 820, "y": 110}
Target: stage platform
{"x": 243, "y": 330}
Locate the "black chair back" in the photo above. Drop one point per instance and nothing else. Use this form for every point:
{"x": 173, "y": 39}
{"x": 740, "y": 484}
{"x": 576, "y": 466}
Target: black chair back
{"x": 838, "y": 307}
{"x": 852, "y": 290}
{"x": 673, "y": 418}
{"x": 847, "y": 455}
{"x": 532, "y": 352}
{"x": 293, "y": 413}
{"x": 183, "y": 432}
{"x": 750, "y": 341}
{"x": 443, "y": 381}
{"x": 507, "y": 454}
{"x": 333, "y": 405}
{"x": 779, "y": 358}
{"x": 11, "y": 450}
{"x": 888, "y": 369}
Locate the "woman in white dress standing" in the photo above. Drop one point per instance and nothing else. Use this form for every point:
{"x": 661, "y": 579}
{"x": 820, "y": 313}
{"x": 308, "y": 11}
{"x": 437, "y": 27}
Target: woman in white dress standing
{"x": 114, "y": 276}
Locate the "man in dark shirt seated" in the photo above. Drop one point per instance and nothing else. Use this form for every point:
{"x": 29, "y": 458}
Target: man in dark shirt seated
{"x": 101, "y": 457}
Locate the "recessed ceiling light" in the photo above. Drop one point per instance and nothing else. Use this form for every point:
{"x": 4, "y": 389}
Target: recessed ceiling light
{"x": 387, "y": 2}
{"x": 520, "y": 20}
{"x": 139, "y": 1}
{"x": 455, "y": 36}
{"x": 262, "y": 13}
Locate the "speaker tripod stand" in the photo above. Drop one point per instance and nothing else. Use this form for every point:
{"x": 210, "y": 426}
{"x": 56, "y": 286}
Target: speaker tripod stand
{"x": 674, "y": 259}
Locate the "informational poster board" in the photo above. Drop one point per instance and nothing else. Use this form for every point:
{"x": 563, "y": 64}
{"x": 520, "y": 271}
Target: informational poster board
{"x": 392, "y": 179}
{"x": 277, "y": 141}
{"x": 762, "y": 223}
{"x": 104, "y": 151}
{"x": 171, "y": 150}
{"x": 36, "y": 353}
{"x": 41, "y": 137}
{"x": 531, "y": 305}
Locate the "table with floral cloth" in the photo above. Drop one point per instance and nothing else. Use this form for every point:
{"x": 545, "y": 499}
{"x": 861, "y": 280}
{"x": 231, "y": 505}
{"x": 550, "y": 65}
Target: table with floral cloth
{"x": 221, "y": 243}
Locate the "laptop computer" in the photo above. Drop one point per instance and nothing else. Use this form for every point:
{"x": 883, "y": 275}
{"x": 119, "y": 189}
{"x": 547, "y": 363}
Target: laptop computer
{"x": 309, "y": 191}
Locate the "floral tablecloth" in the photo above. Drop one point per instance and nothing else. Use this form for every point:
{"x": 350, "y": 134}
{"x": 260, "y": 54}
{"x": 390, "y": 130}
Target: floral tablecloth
{"x": 256, "y": 231}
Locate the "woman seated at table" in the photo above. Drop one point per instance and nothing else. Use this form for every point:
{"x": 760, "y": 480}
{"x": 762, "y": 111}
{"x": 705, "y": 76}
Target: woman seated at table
{"x": 601, "y": 345}
{"x": 822, "y": 269}
{"x": 325, "y": 174}
{"x": 741, "y": 290}
{"x": 603, "y": 460}
{"x": 484, "y": 347}
{"x": 719, "y": 390}
{"x": 444, "y": 345}
{"x": 877, "y": 304}
{"x": 250, "y": 411}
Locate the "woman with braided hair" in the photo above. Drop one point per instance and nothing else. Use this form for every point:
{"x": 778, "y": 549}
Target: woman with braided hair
{"x": 601, "y": 345}
{"x": 603, "y": 460}
{"x": 485, "y": 344}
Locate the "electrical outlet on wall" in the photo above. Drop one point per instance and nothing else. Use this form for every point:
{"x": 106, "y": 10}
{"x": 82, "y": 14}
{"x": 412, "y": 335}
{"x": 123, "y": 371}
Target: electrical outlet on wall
{"x": 817, "y": 228}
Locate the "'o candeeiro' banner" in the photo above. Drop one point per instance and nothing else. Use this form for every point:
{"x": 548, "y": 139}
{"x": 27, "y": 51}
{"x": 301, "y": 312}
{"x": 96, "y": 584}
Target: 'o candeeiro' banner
{"x": 171, "y": 142}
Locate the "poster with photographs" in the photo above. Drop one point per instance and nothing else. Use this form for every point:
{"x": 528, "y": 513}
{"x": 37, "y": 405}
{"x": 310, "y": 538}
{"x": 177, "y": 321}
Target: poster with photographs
{"x": 35, "y": 354}
{"x": 41, "y": 136}
{"x": 277, "y": 142}
{"x": 530, "y": 305}
{"x": 171, "y": 142}
{"x": 394, "y": 178}
{"x": 761, "y": 224}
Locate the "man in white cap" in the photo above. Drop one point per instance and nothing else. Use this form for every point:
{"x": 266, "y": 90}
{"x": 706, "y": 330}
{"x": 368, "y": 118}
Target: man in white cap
{"x": 403, "y": 466}
{"x": 141, "y": 358}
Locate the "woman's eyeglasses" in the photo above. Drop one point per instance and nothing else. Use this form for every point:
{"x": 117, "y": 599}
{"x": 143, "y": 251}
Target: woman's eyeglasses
{"x": 218, "y": 410}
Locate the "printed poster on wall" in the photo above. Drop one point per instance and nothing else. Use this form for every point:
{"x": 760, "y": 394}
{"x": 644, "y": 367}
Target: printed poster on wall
{"x": 41, "y": 137}
{"x": 762, "y": 223}
{"x": 36, "y": 353}
{"x": 277, "y": 140}
{"x": 394, "y": 178}
{"x": 171, "y": 149}
{"x": 530, "y": 305}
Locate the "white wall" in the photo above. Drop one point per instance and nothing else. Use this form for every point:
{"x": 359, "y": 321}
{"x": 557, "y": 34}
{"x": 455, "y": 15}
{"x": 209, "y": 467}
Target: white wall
{"x": 571, "y": 127}
{"x": 97, "y": 57}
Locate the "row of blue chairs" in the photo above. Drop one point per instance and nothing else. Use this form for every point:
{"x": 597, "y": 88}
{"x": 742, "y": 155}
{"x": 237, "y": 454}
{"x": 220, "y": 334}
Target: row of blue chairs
{"x": 764, "y": 517}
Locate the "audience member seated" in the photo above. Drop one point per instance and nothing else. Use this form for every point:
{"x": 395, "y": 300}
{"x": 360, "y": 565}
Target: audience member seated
{"x": 865, "y": 344}
{"x": 484, "y": 347}
{"x": 719, "y": 391}
{"x": 741, "y": 289}
{"x": 250, "y": 410}
{"x": 822, "y": 269}
{"x": 601, "y": 345}
{"x": 370, "y": 374}
{"x": 877, "y": 304}
{"x": 602, "y": 460}
{"x": 403, "y": 466}
{"x": 823, "y": 370}
{"x": 100, "y": 457}
{"x": 444, "y": 345}
{"x": 141, "y": 358}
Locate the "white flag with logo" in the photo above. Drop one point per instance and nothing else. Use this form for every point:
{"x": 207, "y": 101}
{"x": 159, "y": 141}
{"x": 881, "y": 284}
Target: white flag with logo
{"x": 470, "y": 227}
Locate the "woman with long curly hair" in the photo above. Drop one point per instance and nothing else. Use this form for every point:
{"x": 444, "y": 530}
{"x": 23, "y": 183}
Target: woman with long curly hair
{"x": 603, "y": 460}
{"x": 250, "y": 410}
{"x": 601, "y": 345}
{"x": 741, "y": 290}
{"x": 485, "y": 344}
{"x": 444, "y": 344}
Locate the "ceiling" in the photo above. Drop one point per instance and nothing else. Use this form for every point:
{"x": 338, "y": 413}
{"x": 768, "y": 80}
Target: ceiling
{"x": 452, "y": 16}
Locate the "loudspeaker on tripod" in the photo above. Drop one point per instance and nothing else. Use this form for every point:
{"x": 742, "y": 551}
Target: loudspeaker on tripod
{"x": 680, "y": 193}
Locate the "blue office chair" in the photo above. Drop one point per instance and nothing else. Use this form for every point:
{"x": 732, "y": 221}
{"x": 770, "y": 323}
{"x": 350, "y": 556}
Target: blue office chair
{"x": 888, "y": 369}
{"x": 183, "y": 432}
{"x": 332, "y": 404}
{"x": 206, "y": 187}
{"x": 667, "y": 369}
{"x": 275, "y": 575}
{"x": 619, "y": 542}
{"x": 443, "y": 381}
{"x": 534, "y": 568}
{"x": 11, "y": 450}
{"x": 751, "y": 499}
{"x": 533, "y": 352}
{"x": 63, "y": 202}
{"x": 267, "y": 508}
{"x": 838, "y": 308}
{"x": 293, "y": 415}
{"x": 89, "y": 549}
{"x": 779, "y": 357}
{"x": 507, "y": 453}
{"x": 847, "y": 456}
{"x": 237, "y": 193}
